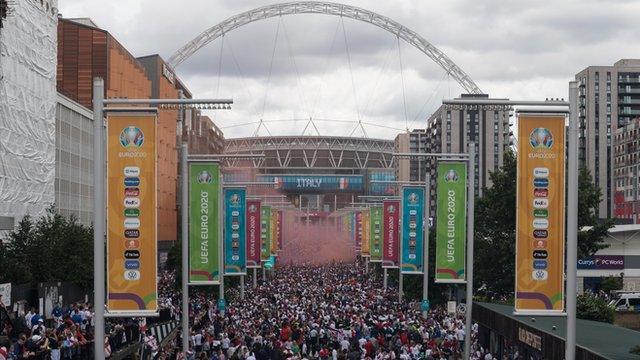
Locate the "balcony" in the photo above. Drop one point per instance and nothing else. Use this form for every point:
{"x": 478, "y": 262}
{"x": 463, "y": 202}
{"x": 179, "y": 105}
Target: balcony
{"x": 624, "y": 90}
{"x": 628, "y": 80}
{"x": 629, "y": 101}
{"x": 629, "y": 112}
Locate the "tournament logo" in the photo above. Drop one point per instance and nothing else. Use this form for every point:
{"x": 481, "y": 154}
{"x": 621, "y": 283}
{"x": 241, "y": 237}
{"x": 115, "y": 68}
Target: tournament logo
{"x": 391, "y": 209}
{"x": 131, "y": 136}
{"x": 204, "y": 177}
{"x": 451, "y": 176}
{"x": 252, "y": 208}
{"x": 413, "y": 198}
{"x": 234, "y": 200}
{"x": 541, "y": 138}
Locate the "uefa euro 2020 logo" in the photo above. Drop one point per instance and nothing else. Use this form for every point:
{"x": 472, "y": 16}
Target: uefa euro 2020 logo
{"x": 413, "y": 198}
{"x": 252, "y": 208}
{"x": 451, "y": 176}
{"x": 131, "y": 136}
{"x": 391, "y": 209}
{"x": 541, "y": 138}
{"x": 234, "y": 200}
{"x": 204, "y": 177}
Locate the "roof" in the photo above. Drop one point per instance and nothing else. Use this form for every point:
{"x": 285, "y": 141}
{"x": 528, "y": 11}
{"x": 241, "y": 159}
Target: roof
{"x": 618, "y": 228}
{"x": 609, "y": 341}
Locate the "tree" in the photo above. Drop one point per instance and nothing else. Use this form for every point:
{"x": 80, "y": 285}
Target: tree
{"x": 54, "y": 248}
{"x": 589, "y": 196}
{"x": 495, "y": 223}
{"x": 590, "y": 307}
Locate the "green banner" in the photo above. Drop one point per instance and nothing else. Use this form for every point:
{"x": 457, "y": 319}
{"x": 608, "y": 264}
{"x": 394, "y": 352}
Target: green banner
{"x": 265, "y": 232}
{"x": 204, "y": 186}
{"x": 451, "y": 222}
{"x": 375, "y": 237}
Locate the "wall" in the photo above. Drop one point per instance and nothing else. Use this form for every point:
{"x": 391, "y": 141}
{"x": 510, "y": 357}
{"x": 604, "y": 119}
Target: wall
{"x": 74, "y": 160}
{"x": 27, "y": 109}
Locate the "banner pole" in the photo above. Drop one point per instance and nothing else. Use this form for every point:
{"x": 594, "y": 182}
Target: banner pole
{"x": 98, "y": 216}
{"x": 572, "y": 222}
{"x": 384, "y": 281}
{"x": 221, "y": 239}
{"x": 184, "y": 188}
{"x": 255, "y": 278}
{"x": 400, "y": 284}
{"x": 425, "y": 252}
{"x": 241, "y": 287}
{"x": 471, "y": 171}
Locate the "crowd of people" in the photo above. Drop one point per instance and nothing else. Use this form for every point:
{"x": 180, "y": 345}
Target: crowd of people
{"x": 334, "y": 311}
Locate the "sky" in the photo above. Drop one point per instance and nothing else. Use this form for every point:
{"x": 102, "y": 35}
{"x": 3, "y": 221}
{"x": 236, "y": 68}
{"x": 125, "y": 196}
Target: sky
{"x": 338, "y": 71}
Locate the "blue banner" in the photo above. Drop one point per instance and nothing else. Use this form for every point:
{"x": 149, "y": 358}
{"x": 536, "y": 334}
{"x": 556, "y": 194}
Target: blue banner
{"x": 235, "y": 256}
{"x": 315, "y": 183}
{"x": 412, "y": 243}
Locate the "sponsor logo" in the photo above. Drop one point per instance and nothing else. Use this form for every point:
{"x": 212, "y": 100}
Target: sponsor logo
{"x": 132, "y": 264}
{"x": 540, "y": 234}
{"x": 130, "y": 171}
{"x": 204, "y": 177}
{"x": 539, "y": 275}
{"x": 540, "y": 223}
{"x": 540, "y": 244}
{"x": 538, "y": 192}
{"x": 540, "y": 254}
{"x": 132, "y": 234}
{"x": 236, "y": 213}
{"x": 131, "y": 223}
{"x": 131, "y": 136}
{"x": 235, "y": 227}
{"x": 131, "y": 181}
{"x": 132, "y": 254}
{"x": 541, "y": 172}
{"x": 234, "y": 200}
{"x": 541, "y": 138}
{"x": 132, "y": 244}
{"x": 131, "y": 212}
{"x": 451, "y": 176}
{"x": 131, "y": 203}
{"x": 541, "y": 213}
{"x": 131, "y": 191}
{"x": 132, "y": 275}
{"x": 412, "y": 198}
{"x": 539, "y": 264}
{"x": 541, "y": 182}
{"x": 413, "y": 212}
{"x": 540, "y": 203}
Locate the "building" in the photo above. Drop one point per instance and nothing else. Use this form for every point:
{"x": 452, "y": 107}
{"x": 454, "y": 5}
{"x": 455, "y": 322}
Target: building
{"x": 620, "y": 259}
{"x": 204, "y": 136}
{"x": 27, "y": 109}
{"x": 609, "y": 97}
{"x": 415, "y": 142}
{"x": 74, "y": 160}
{"x": 626, "y": 171}
{"x": 452, "y": 127}
{"x": 402, "y": 165}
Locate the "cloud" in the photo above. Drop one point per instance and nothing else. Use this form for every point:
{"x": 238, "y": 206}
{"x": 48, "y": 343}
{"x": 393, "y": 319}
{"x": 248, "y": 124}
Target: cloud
{"x": 526, "y": 49}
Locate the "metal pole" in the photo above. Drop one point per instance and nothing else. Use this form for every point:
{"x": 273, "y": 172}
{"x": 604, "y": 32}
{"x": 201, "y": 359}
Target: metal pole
{"x": 221, "y": 239}
{"x": 264, "y": 274}
{"x": 572, "y": 222}
{"x": 425, "y": 250}
{"x": 366, "y": 264}
{"x": 242, "y": 287}
{"x": 98, "y": 216}
{"x": 255, "y": 278}
{"x": 400, "y": 284}
{"x": 384, "y": 281}
{"x": 184, "y": 210}
{"x": 470, "y": 218}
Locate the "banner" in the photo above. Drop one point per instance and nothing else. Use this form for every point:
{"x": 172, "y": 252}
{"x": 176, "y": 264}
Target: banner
{"x": 204, "y": 242}
{"x": 366, "y": 232}
{"x": 540, "y": 214}
{"x": 132, "y": 244}
{"x": 391, "y": 234}
{"x": 253, "y": 233}
{"x": 375, "y": 231}
{"x": 451, "y": 224}
{"x": 265, "y": 233}
{"x": 235, "y": 258}
{"x": 358, "y": 230}
{"x": 5, "y": 292}
{"x": 412, "y": 243}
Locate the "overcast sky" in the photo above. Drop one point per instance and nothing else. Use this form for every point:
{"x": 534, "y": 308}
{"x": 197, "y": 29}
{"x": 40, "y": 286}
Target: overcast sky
{"x": 515, "y": 49}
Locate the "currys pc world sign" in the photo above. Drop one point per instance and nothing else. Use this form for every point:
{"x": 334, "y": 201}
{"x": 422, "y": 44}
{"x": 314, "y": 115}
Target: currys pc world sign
{"x": 602, "y": 262}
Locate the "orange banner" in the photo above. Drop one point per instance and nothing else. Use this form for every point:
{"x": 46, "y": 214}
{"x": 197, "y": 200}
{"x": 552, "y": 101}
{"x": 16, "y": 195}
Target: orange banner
{"x": 540, "y": 214}
{"x": 366, "y": 232}
{"x": 131, "y": 214}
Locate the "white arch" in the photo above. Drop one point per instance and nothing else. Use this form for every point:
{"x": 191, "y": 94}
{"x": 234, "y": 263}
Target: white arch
{"x": 327, "y": 8}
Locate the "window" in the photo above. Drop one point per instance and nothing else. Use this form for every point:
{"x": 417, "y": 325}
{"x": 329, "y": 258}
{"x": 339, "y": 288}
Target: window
{"x": 608, "y": 76}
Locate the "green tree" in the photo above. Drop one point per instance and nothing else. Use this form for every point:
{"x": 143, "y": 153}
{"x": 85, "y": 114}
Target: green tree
{"x": 53, "y": 248}
{"x": 590, "y": 307}
{"x": 589, "y": 196}
{"x": 495, "y": 223}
